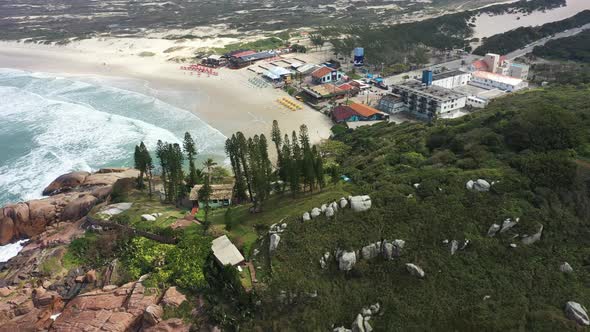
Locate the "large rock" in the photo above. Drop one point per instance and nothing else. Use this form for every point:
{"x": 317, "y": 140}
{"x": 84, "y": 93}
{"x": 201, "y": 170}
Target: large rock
{"x": 493, "y": 230}
{"x": 108, "y": 177}
{"x": 329, "y": 212}
{"x": 415, "y": 270}
{"x": 148, "y": 217}
{"x": 172, "y": 297}
{"x": 527, "y": 240}
{"x": 454, "y": 246}
{"x": 359, "y": 324}
{"x": 115, "y": 209}
{"x": 79, "y": 207}
{"x": 371, "y": 251}
{"x": 479, "y": 185}
{"x": 274, "y": 242}
{"x": 566, "y": 268}
{"x": 66, "y": 182}
{"x": 169, "y": 325}
{"x": 306, "y": 216}
{"x": 347, "y": 260}
{"x": 360, "y": 203}
{"x": 315, "y": 212}
{"x": 343, "y": 203}
{"x": 577, "y": 312}
{"x": 120, "y": 309}
{"x": 153, "y": 314}
{"x": 508, "y": 224}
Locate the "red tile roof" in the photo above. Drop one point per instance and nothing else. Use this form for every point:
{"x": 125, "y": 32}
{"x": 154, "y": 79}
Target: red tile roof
{"x": 321, "y": 72}
{"x": 342, "y": 113}
{"x": 364, "y": 110}
{"x": 480, "y": 65}
{"x": 347, "y": 86}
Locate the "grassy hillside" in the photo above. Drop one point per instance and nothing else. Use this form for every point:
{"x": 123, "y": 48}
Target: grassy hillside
{"x": 532, "y": 144}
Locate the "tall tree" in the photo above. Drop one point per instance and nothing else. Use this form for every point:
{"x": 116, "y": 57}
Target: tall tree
{"x": 191, "y": 151}
{"x": 242, "y": 153}
{"x": 204, "y": 195}
{"x": 295, "y": 166}
{"x": 307, "y": 163}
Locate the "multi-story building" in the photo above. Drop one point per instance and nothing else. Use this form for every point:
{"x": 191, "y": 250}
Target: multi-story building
{"x": 489, "y": 80}
{"x": 391, "y": 104}
{"x": 518, "y": 70}
{"x": 428, "y": 101}
{"x": 497, "y": 64}
{"x": 451, "y": 79}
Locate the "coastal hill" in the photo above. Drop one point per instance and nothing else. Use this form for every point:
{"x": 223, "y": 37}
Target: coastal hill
{"x": 472, "y": 223}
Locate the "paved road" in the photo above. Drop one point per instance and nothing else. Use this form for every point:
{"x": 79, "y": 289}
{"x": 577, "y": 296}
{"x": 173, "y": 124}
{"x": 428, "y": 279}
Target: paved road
{"x": 529, "y": 48}
{"x": 467, "y": 59}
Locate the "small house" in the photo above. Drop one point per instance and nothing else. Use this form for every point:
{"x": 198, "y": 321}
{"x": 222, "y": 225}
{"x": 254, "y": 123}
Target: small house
{"x": 225, "y": 252}
{"x": 326, "y": 75}
{"x": 221, "y": 195}
{"x": 357, "y": 112}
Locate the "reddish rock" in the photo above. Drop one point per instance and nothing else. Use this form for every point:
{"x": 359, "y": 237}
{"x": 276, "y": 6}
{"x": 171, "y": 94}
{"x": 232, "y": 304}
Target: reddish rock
{"x": 79, "y": 279}
{"x": 66, "y": 182}
{"x": 79, "y": 207}
{"x": 118, "y": 310}
{"x": 90, "y": 277}
{"x": 7, "y": 230}
{"x": 5, "y": 291}
{"x": 152, "y": 314}
{"x": 49, "y": 300}
{"x": 169, "y": 325}
{"x": 172, "y": 297}
{"x": 102, "y": 193}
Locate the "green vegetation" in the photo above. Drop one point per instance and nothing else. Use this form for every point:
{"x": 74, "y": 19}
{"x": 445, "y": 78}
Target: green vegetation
{"x": 574, "y": 48}
{"x": 528, "y": 143}
{"x": 514, "y": 39}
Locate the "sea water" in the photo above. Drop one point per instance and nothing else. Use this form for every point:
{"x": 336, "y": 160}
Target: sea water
{"x": 53, "y": 125}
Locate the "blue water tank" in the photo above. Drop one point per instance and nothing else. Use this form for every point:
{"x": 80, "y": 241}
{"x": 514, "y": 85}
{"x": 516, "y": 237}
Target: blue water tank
{"x": 359, "y": 56}
{"x": 427, "y": 77}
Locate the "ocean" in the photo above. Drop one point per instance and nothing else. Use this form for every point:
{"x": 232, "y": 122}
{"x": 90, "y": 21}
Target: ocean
{"x": 52, "y": 125}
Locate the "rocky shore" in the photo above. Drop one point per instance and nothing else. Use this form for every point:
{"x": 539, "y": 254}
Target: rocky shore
{"x": 36, "y": 297}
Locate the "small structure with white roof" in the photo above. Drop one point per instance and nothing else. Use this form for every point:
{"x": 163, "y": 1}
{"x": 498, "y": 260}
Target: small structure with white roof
{"x": 225, "y": 252}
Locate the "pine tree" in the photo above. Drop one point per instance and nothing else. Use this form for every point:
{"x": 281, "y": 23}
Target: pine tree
{"x": 242, "y": 153}
{"x": 318, "y": 168}
{"x": 295, "y": 168}
{"x": 161, "y": 155}
{"x": 307, "y": 164}
{"x": 191, "y": 152}
{"x": 286, "y": 165}
{"x": 138, "y": 159}
{"x": 205, "y": 196}
{"x": 148, "y": 165}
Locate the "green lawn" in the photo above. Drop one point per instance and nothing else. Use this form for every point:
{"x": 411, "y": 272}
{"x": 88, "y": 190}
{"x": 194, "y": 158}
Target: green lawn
{"x": 275, "y": 209}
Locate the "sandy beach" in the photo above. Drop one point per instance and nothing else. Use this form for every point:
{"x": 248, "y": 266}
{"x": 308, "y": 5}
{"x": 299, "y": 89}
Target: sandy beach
{"x": 226, "y": 102}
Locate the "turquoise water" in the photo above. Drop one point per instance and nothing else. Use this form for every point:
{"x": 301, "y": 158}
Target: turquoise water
{"x": 53, "y": 125}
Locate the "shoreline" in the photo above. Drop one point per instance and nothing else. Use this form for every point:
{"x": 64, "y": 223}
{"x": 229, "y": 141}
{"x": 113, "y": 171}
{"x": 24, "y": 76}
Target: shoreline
{"x": 225, "y": 102}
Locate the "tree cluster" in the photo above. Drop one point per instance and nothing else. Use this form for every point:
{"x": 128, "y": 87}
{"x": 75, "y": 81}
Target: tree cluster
{"x": 299, "y": 164}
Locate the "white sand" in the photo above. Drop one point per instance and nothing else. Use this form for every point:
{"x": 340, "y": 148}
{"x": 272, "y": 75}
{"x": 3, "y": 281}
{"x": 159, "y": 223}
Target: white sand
{"x": 232, "y": 103}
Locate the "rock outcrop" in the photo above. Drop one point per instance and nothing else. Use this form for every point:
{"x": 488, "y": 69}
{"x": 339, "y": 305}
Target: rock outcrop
{"x": 528, "y": 240}
{"x": 274, "y": 242}
{"x": 73, "y": 196}
{"x": 577, "y": 312}
{"x": 346, "y": 260}
{"x": 360, "y": 203}
{"x": 566, "y": 268}
{"x": 415, "y": 270}
{"x": 169, "y": 325}
{"x": 508, "y": 224}
{"x": 65, "y": 183}
{"x": 119, "y": 309}
{"x": 173, "y": 298}
{"x": 479, "y": 185}
{"x": 493, "y": 230}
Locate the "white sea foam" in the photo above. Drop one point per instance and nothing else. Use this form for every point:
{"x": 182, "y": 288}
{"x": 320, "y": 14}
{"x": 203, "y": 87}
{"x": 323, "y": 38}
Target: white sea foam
{"x": 11, "y": 250}
{"x": 51, "y": 126}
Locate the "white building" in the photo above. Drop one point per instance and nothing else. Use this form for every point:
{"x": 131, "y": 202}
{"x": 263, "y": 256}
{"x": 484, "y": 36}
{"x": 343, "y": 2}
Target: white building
{"x": 518, "y": 70}
{"x": 493, "y": 61}
{"x": 326, "y": 75}
{"x": 451, "y": 79}
{"x": 477, "y": 102}
{"x": 489, "y": 80}
{"x": 225, "y": 252}
{"x": 428, "y": 101}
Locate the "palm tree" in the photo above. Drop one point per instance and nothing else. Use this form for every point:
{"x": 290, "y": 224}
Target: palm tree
{"x": 209, "y": 164}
